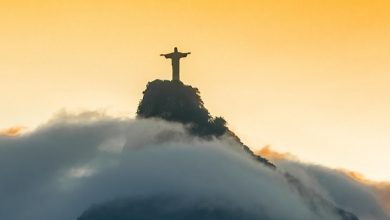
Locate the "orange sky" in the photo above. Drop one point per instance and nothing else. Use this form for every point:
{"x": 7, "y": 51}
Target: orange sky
{"x": 307, "y": 77}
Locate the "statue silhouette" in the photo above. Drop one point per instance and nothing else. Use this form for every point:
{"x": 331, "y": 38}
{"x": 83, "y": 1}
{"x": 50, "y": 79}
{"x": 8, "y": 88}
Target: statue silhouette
{"x": 175, "y": 57}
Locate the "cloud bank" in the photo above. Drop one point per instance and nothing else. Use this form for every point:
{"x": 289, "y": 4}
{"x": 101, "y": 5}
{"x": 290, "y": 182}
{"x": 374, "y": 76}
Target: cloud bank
{"x": 75, "y": 161}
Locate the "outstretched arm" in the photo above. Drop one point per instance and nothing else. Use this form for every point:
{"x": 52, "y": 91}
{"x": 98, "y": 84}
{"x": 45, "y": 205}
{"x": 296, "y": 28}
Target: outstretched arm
{"x": 185, "y": 54}
{"x": 166, "y": 55}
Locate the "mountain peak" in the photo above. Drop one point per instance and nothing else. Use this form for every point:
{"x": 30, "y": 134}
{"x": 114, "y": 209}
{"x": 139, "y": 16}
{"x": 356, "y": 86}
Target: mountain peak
{"x": 177, "y": 102}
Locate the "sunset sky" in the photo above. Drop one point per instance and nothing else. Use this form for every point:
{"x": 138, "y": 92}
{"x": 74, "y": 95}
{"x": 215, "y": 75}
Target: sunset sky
{"x": 309, "y": 77}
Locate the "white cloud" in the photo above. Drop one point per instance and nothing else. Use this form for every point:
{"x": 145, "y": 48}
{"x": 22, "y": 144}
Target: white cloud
{"x": 59, "y": 170}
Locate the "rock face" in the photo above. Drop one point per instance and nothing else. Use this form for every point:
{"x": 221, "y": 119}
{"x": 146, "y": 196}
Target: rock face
{"x": 174, "y": 101}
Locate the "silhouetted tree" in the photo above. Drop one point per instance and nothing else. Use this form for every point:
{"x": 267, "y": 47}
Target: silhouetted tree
{"x": 174, "y": 101}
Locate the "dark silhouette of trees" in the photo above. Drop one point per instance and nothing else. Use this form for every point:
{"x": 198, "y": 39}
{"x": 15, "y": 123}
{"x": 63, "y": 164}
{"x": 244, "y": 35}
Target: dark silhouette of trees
{"x": 174, "y": 101}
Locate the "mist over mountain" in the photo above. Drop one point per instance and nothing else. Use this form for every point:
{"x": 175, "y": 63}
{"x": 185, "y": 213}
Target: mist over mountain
{"x": 91, "y": 166}
{"x": 177, "y": 102}
{"x": 165, "y": 164}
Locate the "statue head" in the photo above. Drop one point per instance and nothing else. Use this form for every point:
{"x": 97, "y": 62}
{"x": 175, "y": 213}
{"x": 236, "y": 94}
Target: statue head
{"x": 175, "y": 49}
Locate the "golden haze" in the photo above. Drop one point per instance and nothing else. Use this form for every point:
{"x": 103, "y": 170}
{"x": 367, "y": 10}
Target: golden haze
{"x": 308, "y": 77}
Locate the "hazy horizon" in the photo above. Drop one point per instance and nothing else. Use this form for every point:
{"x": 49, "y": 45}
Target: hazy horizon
{"x": 306, "y": 77}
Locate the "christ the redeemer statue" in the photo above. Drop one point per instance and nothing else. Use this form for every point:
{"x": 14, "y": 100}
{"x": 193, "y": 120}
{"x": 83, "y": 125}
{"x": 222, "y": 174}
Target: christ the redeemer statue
{"x": 175, "y": 57}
